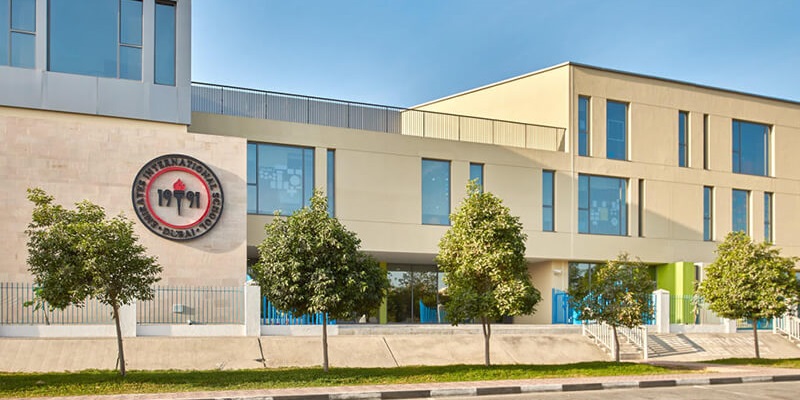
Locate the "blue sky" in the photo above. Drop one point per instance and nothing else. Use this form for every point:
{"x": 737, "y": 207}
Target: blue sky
{"x": 408, "y": 52}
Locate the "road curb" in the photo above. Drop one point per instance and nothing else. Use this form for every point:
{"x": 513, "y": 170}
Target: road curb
{"x": 497, "y": 390}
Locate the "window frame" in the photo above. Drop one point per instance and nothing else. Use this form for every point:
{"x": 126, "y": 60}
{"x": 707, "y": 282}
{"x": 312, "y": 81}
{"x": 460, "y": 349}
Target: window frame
{"x": 622, "y": 213}
{"x": 736, "y": 147}
{"x": 173, "y": 54}
{"x": 769, "y": 217}
{"x": 584, "y": 143}
{"x": 626, "y": 129}
{"x": 422, "y": 190}
{"x": 683, "y": 139}
{"x": 746, "y": 209}
{"x": 480, "y": 167}
{"x": 708, "y": 213}
{"x": 330, "y": 187}
{"x": 551, "y": 207}
{"x": 306, "y": 198}
{"x": 10, "y": 31}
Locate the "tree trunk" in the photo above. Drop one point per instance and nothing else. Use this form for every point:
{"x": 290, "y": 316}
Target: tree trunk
{"x": 325, "y": 342}
{"x": 616, "y": 343}
{"x": 755, "y": 336}
{"x": 487, "y": 334}
{"x": 120, "y": 352}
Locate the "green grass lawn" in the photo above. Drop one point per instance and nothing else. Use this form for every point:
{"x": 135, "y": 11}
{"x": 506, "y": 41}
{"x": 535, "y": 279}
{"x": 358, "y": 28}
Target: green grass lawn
{"x": 109, "y": 382}
{"x": 767, "y": 362}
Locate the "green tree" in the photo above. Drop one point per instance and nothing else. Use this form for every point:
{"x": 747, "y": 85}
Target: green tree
{"x": 310, "y": 263}
{"x": 617, "y": 293}
{"x": 79, "y": 254}
{"x": 483, "y": 258}
{"x": 749, "y": 280}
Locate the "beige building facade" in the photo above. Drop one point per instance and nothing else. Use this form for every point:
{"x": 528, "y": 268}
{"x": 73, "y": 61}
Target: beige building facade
{"x": 593, "y": 161}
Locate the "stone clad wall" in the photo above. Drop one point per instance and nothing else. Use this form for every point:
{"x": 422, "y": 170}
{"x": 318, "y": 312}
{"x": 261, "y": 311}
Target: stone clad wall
{"x": 76, "y": 157}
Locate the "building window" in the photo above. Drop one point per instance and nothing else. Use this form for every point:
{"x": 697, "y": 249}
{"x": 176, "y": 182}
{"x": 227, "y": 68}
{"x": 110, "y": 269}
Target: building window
{"x": 331, "y": 187}
{"x": 741, "y": 211}
{"x": 768, "y": 212}
{"x": 435, "y": 192}
{"x": 706, "y": 143}
{"x": 18, "y": 33}
{"x": 548, "y": 201}
{"x": 750, "y": 148}
{"x": 616, "y": 130}
{"x": 683, "y": 139}
{"x": 476, "y": 173}
{"x": 165, "y": 43}
{"x": 96, "y": 37}
{"x": 602, "y": 205}
{"x": 279, "y": 178}
{"x": 583, "y": 126}
{"x": 641, "y": 207}
{"x": 708, "y": 213}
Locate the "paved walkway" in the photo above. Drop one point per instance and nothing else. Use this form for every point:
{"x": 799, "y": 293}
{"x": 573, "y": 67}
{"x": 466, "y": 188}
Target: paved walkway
{"x": 709, "y": 375}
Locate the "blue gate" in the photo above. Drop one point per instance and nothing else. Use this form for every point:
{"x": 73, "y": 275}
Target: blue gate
{"x": 562, "y": 312}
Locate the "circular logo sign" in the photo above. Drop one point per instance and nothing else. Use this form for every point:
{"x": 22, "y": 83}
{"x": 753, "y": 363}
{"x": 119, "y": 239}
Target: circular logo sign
{"x": 177, "y": 197}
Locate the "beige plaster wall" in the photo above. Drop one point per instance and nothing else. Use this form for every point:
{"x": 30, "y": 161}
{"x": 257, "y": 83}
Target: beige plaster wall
{"x": 538, "y": 98}
{"x": 75, "y": 157}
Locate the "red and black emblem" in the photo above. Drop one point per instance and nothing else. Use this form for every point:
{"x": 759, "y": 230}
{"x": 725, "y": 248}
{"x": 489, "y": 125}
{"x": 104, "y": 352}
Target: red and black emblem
{"x": 177, "y": 197}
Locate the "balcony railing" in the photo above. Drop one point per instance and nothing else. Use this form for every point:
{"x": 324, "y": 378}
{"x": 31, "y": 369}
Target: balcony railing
{"x": 242, "y": 102}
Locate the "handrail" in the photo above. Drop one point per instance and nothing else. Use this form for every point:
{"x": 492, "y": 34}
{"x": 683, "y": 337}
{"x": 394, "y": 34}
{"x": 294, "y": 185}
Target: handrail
{"x": 637, "y": 336}
{"x": 788, "y": 325}
{"x": 601, "y": 333}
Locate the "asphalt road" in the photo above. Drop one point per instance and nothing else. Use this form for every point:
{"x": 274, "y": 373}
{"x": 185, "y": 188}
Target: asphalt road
{"x": 749, "y": 391}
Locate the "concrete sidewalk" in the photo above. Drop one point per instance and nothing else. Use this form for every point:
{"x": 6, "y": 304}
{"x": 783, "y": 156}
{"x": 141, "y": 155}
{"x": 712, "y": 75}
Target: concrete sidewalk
{"x": 709, "y": 375}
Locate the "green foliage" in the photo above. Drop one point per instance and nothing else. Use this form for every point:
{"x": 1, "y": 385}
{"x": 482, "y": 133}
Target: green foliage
{"x": 104, "y": 382}
{"x": 79, "y": 254}
{"x": 310, "y": 263}
{"x": 483, "y": 258}
{"x": 749, "y": 280}
{"x": 617, "y": 293}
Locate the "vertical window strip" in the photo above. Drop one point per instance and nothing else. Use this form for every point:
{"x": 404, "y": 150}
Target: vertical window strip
{"x": 641, "y": 207}
{"x": 331, "y": 188}
{"x": 165, "y": 42}
{"x": 129, "y": 40}
{"x": 768, "y": 217}
{"x": 683, "y": 142}
{"x": 476, "y": 172}
{"x": 741, "y": 211}
{"x": 706, "y": 143}
{"x": 616, "y": 130}
{"x": 548, "y": 201}
{"x": 18, "y": 33}
{"x": 583, "y": 126}
{"x": 708, "y": 213}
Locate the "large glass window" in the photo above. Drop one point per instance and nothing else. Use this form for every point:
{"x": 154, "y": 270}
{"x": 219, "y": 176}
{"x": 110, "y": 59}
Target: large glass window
{"x": 602, "y": 205}
{"x": 165, "y": 43}
{"x": 708, "y": 213}
{"x": 768, "y": 217}
{"x": 331, "y": 191}
{"x": 18, "y": 33}
{"x": 548, "y": 202}
{"x": 741, "y": 211}
{"x": 583, "y": 126}
{"x": 96, "y": 37}
{"x": 435, "y": 192}
{"x": 476, "y": 173}
{"x": 616, "y": 130}
{"x": 414, "y": 294}
{"x": 706, "y": 142}
{"x": 750, "y": 148}
{"x": 683, "y": 139}
{"x": 279, "y": 178}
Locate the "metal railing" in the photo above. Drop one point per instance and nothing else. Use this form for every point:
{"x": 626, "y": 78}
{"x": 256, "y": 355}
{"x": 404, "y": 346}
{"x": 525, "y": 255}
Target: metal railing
{"x": 192, "y": 305}
{"x": 272, "y": 316}
{"x": 688, "y": 310}
{"x": 788, "y": 325}
{"x": 13, "y": 311}
{"x": 637, "y": 336}
{"x": 251, "y": 103}
{"x": 601, "y": 333}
